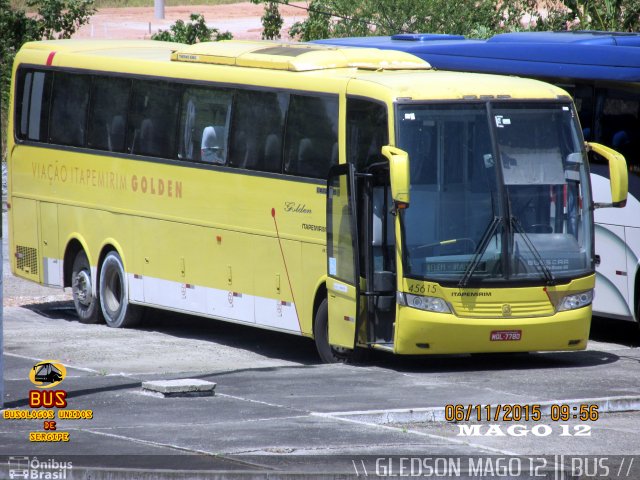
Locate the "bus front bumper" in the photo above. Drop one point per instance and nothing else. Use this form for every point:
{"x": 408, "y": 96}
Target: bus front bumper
{"x": 423, "y": 333}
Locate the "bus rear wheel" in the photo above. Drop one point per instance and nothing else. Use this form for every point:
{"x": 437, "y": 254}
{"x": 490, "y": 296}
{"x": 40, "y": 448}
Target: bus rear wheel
{"x": 327, "y": 352}
{"x": 114, "y": 297}
{"x": 86, "y": 304}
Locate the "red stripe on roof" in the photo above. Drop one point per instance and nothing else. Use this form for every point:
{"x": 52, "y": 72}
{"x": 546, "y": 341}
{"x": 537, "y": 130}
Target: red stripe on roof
{"x": 50, "y": 58}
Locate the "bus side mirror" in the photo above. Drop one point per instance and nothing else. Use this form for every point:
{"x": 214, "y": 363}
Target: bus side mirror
{"x": 398, "y": 173}
{"x": 618, "y": 176}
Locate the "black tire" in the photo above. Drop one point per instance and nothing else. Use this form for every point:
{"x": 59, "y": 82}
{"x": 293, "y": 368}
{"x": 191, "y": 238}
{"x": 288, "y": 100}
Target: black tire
{"x": 87, "y": 305}
{"x": 328, "y": 353}
{"x": 114, "y": 294}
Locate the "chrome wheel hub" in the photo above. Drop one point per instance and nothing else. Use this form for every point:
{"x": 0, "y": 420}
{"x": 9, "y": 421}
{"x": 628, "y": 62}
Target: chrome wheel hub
{"x": 82, "y": 287}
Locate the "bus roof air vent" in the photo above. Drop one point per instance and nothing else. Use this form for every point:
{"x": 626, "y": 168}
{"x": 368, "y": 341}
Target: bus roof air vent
{"x": 296, "y": 57}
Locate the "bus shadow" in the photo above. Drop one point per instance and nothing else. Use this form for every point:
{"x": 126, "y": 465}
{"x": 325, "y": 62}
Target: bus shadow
{"x": 267, "y": 343}
{"x": 615, "y": 331}
{"x": 493, "y": 361}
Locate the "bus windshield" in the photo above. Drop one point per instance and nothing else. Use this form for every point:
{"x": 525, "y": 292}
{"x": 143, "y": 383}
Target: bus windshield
{"x": 499, "y": 192}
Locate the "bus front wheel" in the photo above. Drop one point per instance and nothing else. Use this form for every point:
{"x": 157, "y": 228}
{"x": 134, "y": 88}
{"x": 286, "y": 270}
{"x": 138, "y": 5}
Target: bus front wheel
{"x": 327, "y": 352}
{"x": 114, "y": 298}
{"x": 87, "y": 305}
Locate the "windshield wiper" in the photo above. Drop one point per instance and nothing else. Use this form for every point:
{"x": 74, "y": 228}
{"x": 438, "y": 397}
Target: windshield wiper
{"x": 548, "y": 275}
{"x": 482, "y": 246}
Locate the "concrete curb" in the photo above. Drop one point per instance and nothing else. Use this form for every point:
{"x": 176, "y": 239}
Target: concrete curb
{"x": 437, "y": 414}
{"x": 183, "y": 387}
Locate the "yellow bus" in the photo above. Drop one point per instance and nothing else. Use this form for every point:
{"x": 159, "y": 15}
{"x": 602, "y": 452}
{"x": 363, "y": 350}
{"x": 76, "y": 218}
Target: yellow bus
{"x": 355, "y": 196}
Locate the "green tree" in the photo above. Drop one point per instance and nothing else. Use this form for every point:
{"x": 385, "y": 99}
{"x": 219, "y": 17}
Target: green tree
{"x": 608, "y": 15}
{"x": 60, "y": 18}
{"x": 478, "y": 19}
{"x": 194, "y": 31}
{"x": 317, "y": 25}
{"x": 271, "y": 20}
{"x": 341, "y": 18}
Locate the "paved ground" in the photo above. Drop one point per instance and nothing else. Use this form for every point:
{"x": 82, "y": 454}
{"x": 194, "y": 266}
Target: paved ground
{"x": 277, "y": 408}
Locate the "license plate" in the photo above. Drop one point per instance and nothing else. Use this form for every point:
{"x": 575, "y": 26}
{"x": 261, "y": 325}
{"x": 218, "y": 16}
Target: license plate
{"x": 505, "y": 335}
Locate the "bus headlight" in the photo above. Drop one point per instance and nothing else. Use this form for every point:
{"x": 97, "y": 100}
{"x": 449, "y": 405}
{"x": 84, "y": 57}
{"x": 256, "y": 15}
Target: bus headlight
{"x": 430, "y": 304}
{"x": 576, "y": 300}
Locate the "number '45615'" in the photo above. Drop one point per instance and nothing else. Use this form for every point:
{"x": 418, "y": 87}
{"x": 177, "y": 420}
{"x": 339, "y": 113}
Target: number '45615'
{"x": 421, "y": 288}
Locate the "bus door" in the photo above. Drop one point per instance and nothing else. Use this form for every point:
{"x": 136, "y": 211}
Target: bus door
{"x": 361, "y": 257}
{"x": 378, "y": 254}
{"x": 343, "y": 260}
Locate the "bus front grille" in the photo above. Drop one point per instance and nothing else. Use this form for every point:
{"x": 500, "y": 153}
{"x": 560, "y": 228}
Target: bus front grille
{"x": 504, "y": 310}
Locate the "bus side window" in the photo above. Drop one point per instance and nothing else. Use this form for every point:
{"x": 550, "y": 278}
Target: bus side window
{"x": 152, "y": 120}
{"x": 70, "y": 99}
{"x": 273, "y": 153}
{"x": 311, "y": 136}
{"x": 204, "y": 125}
{"x": 366, "y": 132}
{"x": 108, "y": 113}
{"x": 212, "y": 146}
{"x": 619, "y": 122}
{"x": 32, "y": 105}
{"x": 256, "y": 129}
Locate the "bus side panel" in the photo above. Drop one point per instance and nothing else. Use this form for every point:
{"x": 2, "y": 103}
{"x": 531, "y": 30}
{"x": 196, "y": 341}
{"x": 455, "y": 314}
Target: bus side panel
{"x": 612, "y": 295}
{"x": 231, "y": 278}
{"x": 314, "y": 266}
{"x": 633, "y": 264}
{"x": 277, "y": 271}
{"x": 220, "y": 273}
{"x": 25, "y": 256}
{"x": 167, "y": 272}
{"x": 195, "y": 269}
{"x": 51, "y": 255}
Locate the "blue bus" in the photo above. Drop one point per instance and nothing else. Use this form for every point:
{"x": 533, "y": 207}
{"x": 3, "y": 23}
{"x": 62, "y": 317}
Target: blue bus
{"x": 601, "y": 70}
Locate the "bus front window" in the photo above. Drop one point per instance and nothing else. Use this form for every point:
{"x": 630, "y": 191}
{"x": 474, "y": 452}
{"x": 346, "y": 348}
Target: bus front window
{"x": 498, "y": 192}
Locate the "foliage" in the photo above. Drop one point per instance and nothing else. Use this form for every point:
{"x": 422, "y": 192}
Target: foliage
{"x": 99, "y": 4}
{"x": 611, "y": 15}
{"x": 478, "y": 19}
{"x": 271, "y": 19}
{"x": 341, "y": 18}
{"x": 52, "y": 19}
{"x": 60, "y": 18}
{"x": 317, "y": 24}
{"x": 194, "y": 31}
